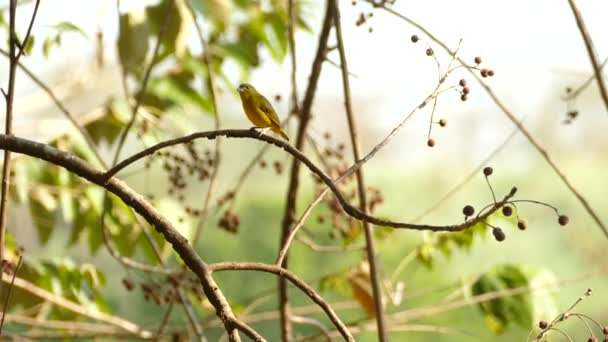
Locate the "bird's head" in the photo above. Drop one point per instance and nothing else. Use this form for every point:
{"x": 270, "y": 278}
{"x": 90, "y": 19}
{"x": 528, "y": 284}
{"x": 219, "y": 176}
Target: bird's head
{"x": 245, "y": 88}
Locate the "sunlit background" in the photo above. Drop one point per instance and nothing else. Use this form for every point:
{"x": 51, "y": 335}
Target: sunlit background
{"x": 536, "y": 51}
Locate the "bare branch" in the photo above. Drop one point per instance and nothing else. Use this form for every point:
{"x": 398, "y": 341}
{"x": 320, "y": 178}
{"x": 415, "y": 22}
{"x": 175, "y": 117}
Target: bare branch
{"x": 597, "y": 68}
{"x": 302, "y": 285}
{"x": 294, "y": 173}
{"x": 252, "y": 134}
{"x": 142, "y": 207}
{"x": 361, "y": 188}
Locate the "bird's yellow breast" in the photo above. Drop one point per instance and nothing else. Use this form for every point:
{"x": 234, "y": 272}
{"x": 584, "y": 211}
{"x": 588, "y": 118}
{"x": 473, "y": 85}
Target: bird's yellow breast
{"x": 254, "y": 114}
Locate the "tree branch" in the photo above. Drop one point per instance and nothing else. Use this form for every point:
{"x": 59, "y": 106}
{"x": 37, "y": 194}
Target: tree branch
{"x": 361, "y": 188}
{"x": 306, "y": 289}
{"x": 292, "y": 189}
{"x": 252, "y": 134}
{"x": 8, "y": 123}
{"x": 597, "y": 68}
{"x": 142, "y": 207}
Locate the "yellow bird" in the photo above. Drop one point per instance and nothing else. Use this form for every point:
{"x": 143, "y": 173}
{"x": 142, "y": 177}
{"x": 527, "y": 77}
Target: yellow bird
{"x": 259, "y": 110}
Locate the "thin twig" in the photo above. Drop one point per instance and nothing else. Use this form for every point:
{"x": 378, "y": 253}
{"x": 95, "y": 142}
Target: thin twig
{"x": 62, "y": 324}
{"x": 302, "y": 285}
{"x": 85, "y": 134}
{"x": 10, "y": 290}
{"x": 292, "y": 19}
{"x": 77, "y": 308}
{"x": 469, "y": 177}
{"x": 144, "y": 82}
{"x": 165, "y": 320}
{"x": 372, "y": 259}
{"x": 8, "y": 127}
{"x": 211, "y": 85}
{"x": 597, "y": 69}
{"x": 293, "y": 186}
{"x": 8, "y": 123}
{"x": 572, "y": 94}
{"x": 23, "y": 44}
{"x": 312, "y": 322}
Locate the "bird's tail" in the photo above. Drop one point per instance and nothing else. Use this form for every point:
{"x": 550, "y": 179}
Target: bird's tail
{"x": 280, "y": 132}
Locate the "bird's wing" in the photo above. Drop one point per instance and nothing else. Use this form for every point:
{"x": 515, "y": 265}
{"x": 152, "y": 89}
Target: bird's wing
{"x": 267, "y": 109}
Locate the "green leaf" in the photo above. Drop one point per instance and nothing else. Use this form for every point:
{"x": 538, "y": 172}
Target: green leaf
{"x": 278, "y": 44}
{"x": 544, "y": 296}
{"x": 425, "y": 254}
{"x": 133, "y": 46}
{"x": 217, "y": 11}
{"x": 176, "y": 28}
{"x": 43, "y": 203}
{"x": 84, "y": 219}
{"x": 25, "y": 170}
{"x": 29, "y": 45}
{"x": 66, "y": 26}
{"x": 66, "y": 198}
{"x": 106, "y": 128}
{"x": 92, "y": 276}
{"x": 503, "y": 312}
{"x": 147, "y": 249}
{"x": 382, "y": 233}
{"x": 47, "y": 44}
{"x": 177, "y": 91}
{"x": 337, "y": 283}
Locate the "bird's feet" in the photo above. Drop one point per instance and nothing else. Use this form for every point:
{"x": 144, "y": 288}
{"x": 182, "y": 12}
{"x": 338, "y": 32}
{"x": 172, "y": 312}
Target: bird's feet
{"x": 261, "y": 131}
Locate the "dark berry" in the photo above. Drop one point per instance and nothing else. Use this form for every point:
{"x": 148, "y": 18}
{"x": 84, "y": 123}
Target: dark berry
{"x": 466, "y": 90}
{"x": 499, "y": 235}
{"x": 490, "y": 73}
{"x": 477, "y": 60}
{"x": 443, "y": 122}
{"x": 507, "y": 210}
{"x": 543, "y": 325}
{"x": 522, "y": 224}
{"x": 463, "y": 97}
{"x": 484, "y": 72}
{"x": 429, "y": 52}
{"x": 563, "y": 220}
{"x": 468, "y": 210}
{"x": 463, "y": 82}
{"x": 487, "y": 171}
{"x": 430, "y": 142}
{"x": 414, "y": 38}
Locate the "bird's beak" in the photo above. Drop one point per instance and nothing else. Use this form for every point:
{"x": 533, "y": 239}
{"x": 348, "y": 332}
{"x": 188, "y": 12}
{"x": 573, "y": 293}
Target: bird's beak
{"x": 240, "y": 88}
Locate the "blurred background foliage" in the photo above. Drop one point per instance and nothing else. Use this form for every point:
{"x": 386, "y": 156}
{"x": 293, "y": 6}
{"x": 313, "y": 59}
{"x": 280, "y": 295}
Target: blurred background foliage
{"x": 55, "y": 215}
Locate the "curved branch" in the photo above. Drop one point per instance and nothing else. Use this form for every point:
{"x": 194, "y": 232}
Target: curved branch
{"x": 597, "y": 68}
{"x": 309, "y": 291}
{"x": 136, "y": 201}
{"x": 348, "y": 208}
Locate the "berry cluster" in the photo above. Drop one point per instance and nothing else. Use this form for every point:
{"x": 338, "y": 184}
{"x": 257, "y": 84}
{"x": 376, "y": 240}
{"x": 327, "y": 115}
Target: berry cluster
{"x": 342, "y": 225}
{"x": 166, "y": 292}
{"x": 508, "y": 209}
